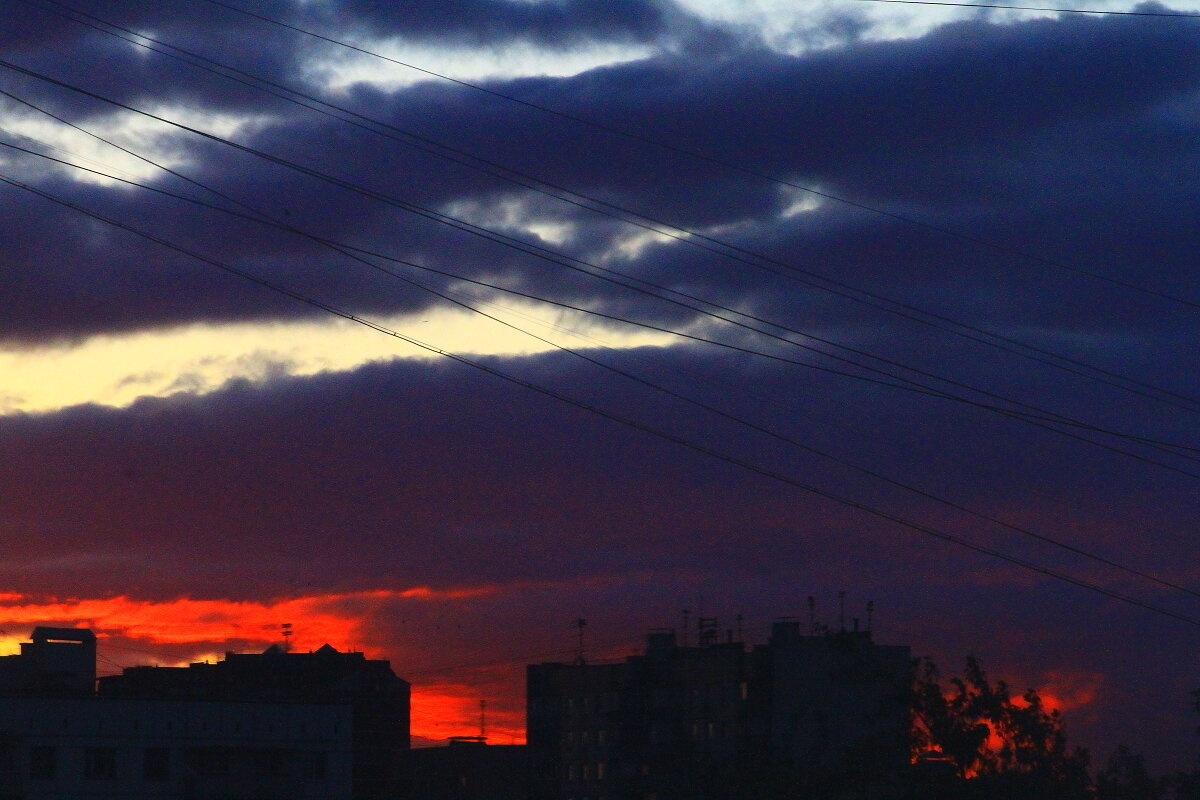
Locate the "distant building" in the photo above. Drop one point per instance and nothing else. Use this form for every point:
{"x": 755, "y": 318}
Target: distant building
{"x": 266, "y": 726}
{"x": 79, "y": 748}
{"x": 58, "y": 661}
{"x": 378, "y": 700}
{"x": 819, "y": 715}
{"x": 467, "y": 769}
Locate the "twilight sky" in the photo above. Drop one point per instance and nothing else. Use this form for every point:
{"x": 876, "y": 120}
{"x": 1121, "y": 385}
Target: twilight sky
{"x": 937, "y": 264}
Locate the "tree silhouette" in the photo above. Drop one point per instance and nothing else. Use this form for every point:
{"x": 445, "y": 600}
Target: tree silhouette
{"x": 1002, "y": 747}
{"x": 1125, "y": 777}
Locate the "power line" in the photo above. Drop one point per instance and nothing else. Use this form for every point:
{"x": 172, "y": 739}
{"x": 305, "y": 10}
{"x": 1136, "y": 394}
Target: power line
{"x": 628, "y": 422}
{"x": 633, "y": 136}
{"x": 1041, "y": 419}
{"x": 605, "y": 273}
{"x": 1100, "y": 12}
{"x": 688, "y": 237}
{"x": 876, "y": 476}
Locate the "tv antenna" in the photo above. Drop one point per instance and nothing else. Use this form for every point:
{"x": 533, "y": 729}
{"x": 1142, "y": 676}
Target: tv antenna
{"x": 579, "y": 625}
{"x": 287, "y": 636}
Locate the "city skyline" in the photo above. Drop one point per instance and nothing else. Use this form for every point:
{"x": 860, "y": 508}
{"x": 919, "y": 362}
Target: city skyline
{"x": 430, "y": 332}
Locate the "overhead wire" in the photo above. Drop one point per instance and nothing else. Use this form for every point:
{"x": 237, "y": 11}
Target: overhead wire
{"x": 1046, "y": 418}
{"x": 620, "y": 419}
{"x": 606, "y": 274}
{"x": 684, "y": 235}
{"x": 834, "y": 458}
{"x": 1055, "y": 9}
{"x": 191, "y": 253}
{"x": 695, "y": 154}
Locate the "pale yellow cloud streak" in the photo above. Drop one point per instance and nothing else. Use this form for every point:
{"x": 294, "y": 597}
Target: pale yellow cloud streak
{"x": 116, "y": 370}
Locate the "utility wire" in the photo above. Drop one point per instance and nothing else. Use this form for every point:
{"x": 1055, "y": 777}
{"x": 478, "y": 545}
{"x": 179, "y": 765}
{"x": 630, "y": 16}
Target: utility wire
{"x": 1159, "y": 14}
{"x": 628, "y": 216}
{"x": 695, "y": 154}
{"x": 588, "y": 268}
{"x": 617, "y": 418}
{"x": 352, "y": 251}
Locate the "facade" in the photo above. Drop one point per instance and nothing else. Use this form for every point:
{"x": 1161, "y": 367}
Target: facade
{"x": 87, "y": 748}
{"x": 264, "y": 726}
{"x": 467, "y": 769}
{"x": 57, "y": 661}
{"x": 377, "y": 699}
{"x": 818, "y": 715}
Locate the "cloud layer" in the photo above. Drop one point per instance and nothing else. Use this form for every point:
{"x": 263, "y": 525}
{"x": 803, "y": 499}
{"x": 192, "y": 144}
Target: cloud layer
{"x": 998, "y": 317}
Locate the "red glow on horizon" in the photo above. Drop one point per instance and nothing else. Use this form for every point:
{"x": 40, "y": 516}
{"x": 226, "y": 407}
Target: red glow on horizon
{"x": 319, "y": 619}
{"x": 202, "y": 629}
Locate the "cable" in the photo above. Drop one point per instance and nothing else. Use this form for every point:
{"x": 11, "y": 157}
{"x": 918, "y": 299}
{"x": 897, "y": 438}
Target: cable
{"x": 591, "y": 269}
{"x": 1044, "y": 420}
{"x": 619, "y": 419}
{"x": 728, "y": 164}
{"x": 596, "y": 205}
{"x": 1159, "y": 14}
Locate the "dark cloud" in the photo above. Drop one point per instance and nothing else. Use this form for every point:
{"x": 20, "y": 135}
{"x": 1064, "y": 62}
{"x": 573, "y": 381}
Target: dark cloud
{"x": 1040, "y": 120}
{"x": 1060, "y": 138}
{"x": 480, "y": 22}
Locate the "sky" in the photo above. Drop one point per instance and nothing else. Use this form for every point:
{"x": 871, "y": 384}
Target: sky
{"x": 432, "y": 328}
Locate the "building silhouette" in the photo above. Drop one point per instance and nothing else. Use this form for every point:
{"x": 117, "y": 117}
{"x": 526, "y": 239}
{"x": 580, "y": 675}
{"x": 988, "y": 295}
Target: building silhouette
{"x": 263, "y": 726}
{"x": 817, "y": 714}
{"x": 57, "y": 661}
{"x": 467, "y": 769}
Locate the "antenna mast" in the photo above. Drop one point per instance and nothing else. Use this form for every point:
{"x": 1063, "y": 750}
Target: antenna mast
{"x": 579, "y": 624}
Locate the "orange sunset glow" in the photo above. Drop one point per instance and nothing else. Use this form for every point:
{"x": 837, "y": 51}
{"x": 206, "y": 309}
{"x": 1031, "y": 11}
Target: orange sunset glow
{"x": 178, "y": 631}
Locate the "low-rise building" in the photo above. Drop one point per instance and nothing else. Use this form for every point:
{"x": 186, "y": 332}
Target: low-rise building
{"x": 266, "y": 726}
{"x": 86, "y": 748}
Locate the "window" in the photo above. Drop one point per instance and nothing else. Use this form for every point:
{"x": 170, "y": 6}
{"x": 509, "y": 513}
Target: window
{"x": 100, "y": 763}
{"x": 268, "y": 763}
{"x": 316, "y": 765}
{"x": 212, "y": 762}
{"x": 156, "y": 764}
{"x": 8, "y": 758}
{"x": 43, "y": 763}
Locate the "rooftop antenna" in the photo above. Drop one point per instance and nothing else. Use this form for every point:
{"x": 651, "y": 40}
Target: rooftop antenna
{"x": 870, "y": 613}
{"x": 812, "y": 614}
{"x": 287, "y": 636}
{"x": 842, "y": 611}
{"x": 579, "y": 624}
{"x": 482, "y": 719}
